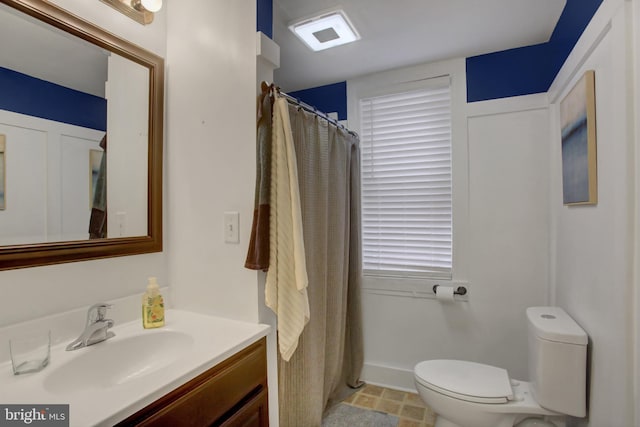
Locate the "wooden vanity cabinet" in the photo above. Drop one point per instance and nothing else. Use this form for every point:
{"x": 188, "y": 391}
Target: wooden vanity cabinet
{"x": 231, "y": 394}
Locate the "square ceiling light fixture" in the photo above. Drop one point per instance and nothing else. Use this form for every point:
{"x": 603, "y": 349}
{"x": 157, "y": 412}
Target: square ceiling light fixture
{"x": 325, "y": 31}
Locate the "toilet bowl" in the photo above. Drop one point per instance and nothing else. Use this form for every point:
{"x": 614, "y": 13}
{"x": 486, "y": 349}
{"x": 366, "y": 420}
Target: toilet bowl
{"x": 474, "y": 395}
{"x": 469, "y": 394}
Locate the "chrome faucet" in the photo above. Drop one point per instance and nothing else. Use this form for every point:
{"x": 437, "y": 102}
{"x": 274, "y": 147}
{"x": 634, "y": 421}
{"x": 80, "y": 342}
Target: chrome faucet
{"x": 96, "y": 329}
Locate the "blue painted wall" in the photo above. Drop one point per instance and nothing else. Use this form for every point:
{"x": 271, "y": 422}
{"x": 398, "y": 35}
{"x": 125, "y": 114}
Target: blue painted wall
{"x": 265, "y": 17}
{"x": 328, "y": 99}
{"x": 529, "y": 69}
{"x": 24, "y": 94}
{"x": 513, "y": 72}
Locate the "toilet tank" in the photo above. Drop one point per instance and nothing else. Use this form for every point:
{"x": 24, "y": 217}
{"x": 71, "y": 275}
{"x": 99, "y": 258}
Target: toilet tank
{"x": 557, "y": 360}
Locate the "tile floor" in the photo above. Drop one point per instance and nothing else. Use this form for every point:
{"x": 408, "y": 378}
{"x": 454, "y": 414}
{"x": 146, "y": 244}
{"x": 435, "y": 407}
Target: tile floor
{"x": 408, "y": 407}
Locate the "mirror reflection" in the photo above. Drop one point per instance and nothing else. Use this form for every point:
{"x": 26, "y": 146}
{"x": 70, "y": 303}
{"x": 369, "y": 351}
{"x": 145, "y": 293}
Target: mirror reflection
{"x": 74, "y": 122}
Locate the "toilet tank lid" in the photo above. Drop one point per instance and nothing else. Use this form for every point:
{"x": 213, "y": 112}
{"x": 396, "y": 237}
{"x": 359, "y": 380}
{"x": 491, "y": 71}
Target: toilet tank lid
{"x": 554, "y": 324}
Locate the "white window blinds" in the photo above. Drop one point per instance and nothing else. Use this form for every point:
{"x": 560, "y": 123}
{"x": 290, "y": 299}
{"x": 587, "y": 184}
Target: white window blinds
{"x": 406, "y": 182}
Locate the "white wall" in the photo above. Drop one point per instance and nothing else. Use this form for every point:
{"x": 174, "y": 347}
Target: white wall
{"x": 127, "y": 147}
{"x": 500, "y": 247}
{"x": 635, "y": 318}
{"x": 47, "y": 179}
{"x": 210, "y": 120}
{"x": 35, "y": 292}
{"x": 26, "y": 215}
{"x": 593, "y": 245}
{"x": 526, "y": 248}
{"x": 211, "y": 60}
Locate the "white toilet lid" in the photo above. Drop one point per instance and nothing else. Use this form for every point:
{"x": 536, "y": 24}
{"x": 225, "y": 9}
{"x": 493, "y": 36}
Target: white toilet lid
{"x": 464, "y": 380}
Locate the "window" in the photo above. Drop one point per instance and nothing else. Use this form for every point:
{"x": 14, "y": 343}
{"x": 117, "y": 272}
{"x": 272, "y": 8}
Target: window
{"x": 407, "y": 182}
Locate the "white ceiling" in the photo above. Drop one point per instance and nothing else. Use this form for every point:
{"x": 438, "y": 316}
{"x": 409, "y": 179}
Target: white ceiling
{"x": 44, "y": 52}
{"x": 394, "y": 34}
{"x": 406, "y": 32}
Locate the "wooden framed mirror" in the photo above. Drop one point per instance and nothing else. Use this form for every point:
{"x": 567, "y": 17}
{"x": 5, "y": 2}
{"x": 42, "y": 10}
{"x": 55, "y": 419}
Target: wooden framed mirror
{"x": 51, "y": 226}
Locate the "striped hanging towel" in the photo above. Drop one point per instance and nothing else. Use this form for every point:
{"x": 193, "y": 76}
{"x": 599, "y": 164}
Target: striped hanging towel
{"x": 286, "y": 285}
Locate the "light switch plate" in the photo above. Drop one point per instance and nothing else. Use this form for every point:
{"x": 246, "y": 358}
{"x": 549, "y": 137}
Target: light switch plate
{"x": 231, "y": 224}
{"x": 121, "y": 220}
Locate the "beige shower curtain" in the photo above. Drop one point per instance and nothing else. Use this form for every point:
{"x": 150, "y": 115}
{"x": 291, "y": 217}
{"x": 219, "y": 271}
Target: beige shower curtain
{"x": 329, "y": 356}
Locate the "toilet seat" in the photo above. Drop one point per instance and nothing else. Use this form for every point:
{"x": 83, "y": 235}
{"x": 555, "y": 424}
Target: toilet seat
{"x": 473, "y": 382}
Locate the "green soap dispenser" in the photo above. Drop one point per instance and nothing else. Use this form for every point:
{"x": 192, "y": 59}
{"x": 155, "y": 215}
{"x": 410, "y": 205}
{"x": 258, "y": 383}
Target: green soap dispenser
{"x": 152, "y": 306}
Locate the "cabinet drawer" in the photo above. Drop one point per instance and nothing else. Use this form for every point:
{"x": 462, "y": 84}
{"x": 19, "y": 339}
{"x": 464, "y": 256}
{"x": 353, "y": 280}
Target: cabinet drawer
{"x": 208, "y": 397}
{"x": 254, "y": 413}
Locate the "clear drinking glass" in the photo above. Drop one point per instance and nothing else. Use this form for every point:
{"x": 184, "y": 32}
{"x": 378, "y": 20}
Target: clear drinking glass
{"x": 30, "y": 352}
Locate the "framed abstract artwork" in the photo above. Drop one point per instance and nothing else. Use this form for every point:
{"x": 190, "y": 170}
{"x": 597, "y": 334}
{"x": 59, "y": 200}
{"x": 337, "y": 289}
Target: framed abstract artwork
{"x": 578, "y": 128}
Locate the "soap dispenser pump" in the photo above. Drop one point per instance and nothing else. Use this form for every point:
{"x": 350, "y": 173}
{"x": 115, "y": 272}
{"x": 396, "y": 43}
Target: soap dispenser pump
{"x": 152, "y": 306}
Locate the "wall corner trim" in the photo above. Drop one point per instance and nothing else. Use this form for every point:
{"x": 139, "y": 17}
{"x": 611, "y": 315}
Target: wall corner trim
{"x": 534, "y": 101}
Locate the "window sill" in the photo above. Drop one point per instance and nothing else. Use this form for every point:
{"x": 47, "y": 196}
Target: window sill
{"x": 409, "y": 287}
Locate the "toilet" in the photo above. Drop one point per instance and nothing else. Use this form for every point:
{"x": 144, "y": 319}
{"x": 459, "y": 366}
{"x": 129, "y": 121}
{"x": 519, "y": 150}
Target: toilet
{"x": 468, "y": 394}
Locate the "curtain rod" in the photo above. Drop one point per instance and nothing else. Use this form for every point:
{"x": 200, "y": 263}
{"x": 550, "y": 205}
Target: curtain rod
{"x": 314, "y": 110}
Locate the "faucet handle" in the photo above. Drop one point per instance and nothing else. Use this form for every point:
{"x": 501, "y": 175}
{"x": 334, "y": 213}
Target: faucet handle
{"x": 100, "y": 311}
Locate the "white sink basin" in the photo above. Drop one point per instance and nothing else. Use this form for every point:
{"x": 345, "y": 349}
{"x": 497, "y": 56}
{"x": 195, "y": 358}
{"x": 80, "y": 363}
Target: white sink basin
{"x": 107, "y": 382}
{"x": 118, "y": 361}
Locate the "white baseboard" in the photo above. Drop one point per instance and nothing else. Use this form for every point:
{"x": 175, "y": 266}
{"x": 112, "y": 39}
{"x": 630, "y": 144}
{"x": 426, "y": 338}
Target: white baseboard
{"x": 390, "y": 377}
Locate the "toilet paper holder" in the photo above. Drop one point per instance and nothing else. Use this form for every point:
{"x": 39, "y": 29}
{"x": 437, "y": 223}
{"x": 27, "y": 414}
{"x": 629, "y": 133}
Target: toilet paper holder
{"x": 460, "y": 290}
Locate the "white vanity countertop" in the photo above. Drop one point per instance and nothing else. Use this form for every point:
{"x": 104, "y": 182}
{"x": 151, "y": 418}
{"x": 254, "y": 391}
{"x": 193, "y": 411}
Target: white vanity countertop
{"x": 214, "y": 340}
